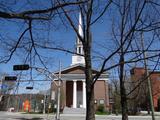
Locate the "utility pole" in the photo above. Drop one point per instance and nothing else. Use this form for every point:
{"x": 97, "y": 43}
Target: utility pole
{"x": 44, "y": 104}
{"x": 18, "y": 101}
{"x": 147, "y": 75}
{"x": 58, "y": 85}
{"x": 59, "y": 93}
{"x": 1, "y": 88}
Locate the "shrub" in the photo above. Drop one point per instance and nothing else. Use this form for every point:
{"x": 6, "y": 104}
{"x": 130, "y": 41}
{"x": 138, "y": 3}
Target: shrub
{"x": 101, "y": 108}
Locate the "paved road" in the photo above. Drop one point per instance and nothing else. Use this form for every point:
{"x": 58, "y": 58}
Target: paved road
{"x": 20, "y": 116}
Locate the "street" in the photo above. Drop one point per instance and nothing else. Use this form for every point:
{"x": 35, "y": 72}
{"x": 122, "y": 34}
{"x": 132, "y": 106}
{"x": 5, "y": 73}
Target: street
{"x": 21, "y": 116}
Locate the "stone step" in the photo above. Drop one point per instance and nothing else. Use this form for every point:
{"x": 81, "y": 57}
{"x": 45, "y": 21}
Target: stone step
{"x": 67, "y": 110}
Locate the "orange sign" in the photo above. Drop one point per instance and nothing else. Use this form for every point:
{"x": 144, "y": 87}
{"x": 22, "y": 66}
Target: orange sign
{"x": 26, "y": 106}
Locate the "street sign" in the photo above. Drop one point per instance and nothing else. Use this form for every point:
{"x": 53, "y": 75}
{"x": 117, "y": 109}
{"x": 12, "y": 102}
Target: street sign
{"x": 21, "y": 67}
{"x": 29, "y": 88}
{"x": 10, "y": 78}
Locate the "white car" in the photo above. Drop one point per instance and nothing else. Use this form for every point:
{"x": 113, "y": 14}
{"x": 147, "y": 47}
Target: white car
{"x": 11, "y": 109}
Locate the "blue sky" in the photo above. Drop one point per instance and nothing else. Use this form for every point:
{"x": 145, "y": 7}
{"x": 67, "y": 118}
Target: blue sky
{"x": 65, "y": 36}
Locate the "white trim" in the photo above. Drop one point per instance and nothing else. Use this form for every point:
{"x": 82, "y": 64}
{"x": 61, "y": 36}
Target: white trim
{"x": 84, "y": 93}
{"x": 74, "y": 93}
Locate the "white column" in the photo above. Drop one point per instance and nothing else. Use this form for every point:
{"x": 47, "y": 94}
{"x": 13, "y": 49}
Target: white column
{"x": 74, "y": 94}
{"x": 84, "y": 94}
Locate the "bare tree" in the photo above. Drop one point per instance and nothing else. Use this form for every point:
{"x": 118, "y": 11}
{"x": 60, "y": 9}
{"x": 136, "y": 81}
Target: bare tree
{"x": 130, "y": 21}
{"x": 130, "y": 18}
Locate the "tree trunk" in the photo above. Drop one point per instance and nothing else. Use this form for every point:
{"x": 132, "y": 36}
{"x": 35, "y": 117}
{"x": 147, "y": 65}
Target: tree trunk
{"x": 124, "y": 104}
{"x": 123, "y": 90}
{"x": 90, "y": 113}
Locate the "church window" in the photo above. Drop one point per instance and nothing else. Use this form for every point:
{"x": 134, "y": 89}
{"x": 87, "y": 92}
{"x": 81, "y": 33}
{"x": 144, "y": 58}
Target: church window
{"x": 158, "y": 78}
{"x": 101, "y": 101}
{"x": 79, "y": 50}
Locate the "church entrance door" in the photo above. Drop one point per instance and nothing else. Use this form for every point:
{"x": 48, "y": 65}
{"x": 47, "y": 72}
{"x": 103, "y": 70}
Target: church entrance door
{"x": 79, "y": 99}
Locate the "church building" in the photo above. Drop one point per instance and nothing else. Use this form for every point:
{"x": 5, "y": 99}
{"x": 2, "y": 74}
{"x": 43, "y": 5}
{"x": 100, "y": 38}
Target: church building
{"x": 73, "y": 85}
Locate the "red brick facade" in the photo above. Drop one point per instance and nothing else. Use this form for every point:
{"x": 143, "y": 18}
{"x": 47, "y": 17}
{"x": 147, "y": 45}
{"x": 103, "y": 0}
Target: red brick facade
{"x": 139, "y": 73}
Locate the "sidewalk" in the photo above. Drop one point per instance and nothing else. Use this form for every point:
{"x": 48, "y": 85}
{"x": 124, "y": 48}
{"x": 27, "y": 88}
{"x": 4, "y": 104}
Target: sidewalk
{"x": 79, "y": 116}
{"x": 146, "y": 113}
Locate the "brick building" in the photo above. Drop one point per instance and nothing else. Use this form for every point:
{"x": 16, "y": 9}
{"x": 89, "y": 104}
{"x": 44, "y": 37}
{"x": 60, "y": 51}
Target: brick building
{"x": 138, "y": 74}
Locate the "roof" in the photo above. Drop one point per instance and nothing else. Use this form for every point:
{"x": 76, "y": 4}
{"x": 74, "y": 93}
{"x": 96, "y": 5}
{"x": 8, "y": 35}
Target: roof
{"x": 72, "y": 70}
{"x": 78, "y": 72}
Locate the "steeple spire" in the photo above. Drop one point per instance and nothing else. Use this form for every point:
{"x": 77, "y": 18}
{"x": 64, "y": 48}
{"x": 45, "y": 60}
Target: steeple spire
{"x": 80, "y": 25}
{"x": 79, "y": 46}
{"x": 77, "y": 59}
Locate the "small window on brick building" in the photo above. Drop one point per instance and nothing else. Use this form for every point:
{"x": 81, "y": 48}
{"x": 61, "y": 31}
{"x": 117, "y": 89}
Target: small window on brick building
{"x": 158, "y": 78}
{"x": 101, "y": 101}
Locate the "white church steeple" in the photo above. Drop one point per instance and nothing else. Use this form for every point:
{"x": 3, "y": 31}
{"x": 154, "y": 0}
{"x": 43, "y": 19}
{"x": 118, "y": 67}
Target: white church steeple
{"x": 77, "y": 59}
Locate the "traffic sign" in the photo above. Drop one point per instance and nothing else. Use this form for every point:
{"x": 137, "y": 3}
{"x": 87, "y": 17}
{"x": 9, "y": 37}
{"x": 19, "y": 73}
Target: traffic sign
{"x": 21, "y": 67}
{"x": 29, "y": 88}
{"x": 10, "y": 78}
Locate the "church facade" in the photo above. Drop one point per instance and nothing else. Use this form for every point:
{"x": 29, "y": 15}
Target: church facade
{"x": 73, "y": 88}
{"x": 73, "y": 85}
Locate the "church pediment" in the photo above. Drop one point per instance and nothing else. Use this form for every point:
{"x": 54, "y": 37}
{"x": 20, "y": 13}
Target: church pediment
{"x": 75, "y": 69}
{"x": 77, "y": 72}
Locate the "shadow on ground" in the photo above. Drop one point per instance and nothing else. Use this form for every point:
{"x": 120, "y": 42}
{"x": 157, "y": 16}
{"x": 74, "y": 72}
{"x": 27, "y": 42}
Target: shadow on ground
{"x": 29, "y": 119}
